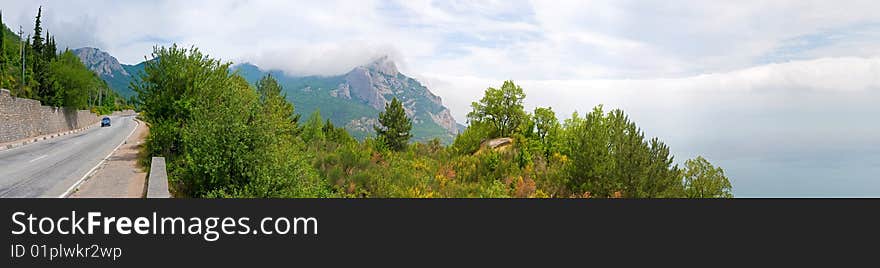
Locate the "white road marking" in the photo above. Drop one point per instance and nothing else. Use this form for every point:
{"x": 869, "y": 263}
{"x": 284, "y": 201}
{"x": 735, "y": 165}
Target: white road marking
{"x": 80, "y": 181}
{"x": 38, "y": 158}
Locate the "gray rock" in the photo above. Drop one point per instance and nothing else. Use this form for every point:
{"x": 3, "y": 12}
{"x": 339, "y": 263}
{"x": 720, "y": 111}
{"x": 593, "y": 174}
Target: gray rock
{"x": 342, "y": 91}
{"x": 361, "y": 86}
{"x": 445, "y": 120}
{"x": 496, "y": 143}
{"x": 99, "y": 62}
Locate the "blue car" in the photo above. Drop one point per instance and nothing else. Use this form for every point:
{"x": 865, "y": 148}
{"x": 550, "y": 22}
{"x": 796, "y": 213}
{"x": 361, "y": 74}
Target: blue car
{"x": 105, "y": 122}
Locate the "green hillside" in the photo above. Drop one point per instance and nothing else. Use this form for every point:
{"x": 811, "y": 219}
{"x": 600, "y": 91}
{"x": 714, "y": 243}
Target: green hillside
{"x": 54, "y": 77}
{"x": 367, "y": 88}
{"x": 310, "y": 93}
{"x": 121, "y": 83}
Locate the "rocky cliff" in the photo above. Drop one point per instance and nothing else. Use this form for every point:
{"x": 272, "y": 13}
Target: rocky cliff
{"x": 100, "y": 62}
{"x": 355, "y": 98}
{"x": 378, "y": 82}
{"x": 118, "y": 76}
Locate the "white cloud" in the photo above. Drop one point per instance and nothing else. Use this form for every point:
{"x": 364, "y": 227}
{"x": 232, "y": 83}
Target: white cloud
{"x": 493, "y": 39}
{"x": 827, "y": 75}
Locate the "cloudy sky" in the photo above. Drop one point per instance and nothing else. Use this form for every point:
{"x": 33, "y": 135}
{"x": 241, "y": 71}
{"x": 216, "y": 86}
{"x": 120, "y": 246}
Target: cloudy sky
{"x": 783, "y": 94}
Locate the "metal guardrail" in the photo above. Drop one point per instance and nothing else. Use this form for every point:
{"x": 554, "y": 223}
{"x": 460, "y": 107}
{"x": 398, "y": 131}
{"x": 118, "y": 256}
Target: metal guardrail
{"x": 157, "y": 183}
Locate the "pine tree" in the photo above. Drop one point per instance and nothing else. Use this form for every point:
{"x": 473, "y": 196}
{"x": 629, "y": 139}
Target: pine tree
{"x": 268, "y": 88}
{"x": 313, "y": 131}
{"x": 275, "y": 104}
{"x": 328, "y": 127}
{"x": 395, "y": 129}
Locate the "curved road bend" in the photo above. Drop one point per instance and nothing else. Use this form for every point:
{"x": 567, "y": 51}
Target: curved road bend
{"x": 49, "y": 168}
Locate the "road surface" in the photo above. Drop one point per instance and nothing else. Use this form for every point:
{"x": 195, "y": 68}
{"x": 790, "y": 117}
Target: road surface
{"x": 51, "y": 167}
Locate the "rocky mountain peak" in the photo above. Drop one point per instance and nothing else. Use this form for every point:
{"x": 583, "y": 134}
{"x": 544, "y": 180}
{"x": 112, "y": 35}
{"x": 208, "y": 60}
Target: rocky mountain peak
{"x": 364, "y": 89}
{"x": 377, "y": 82}
{"x": 384, "y": 65}
{"x": 100, "y": 62}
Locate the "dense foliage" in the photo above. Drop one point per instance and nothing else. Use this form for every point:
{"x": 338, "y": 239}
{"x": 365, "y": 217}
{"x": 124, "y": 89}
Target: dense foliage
{"x": 609, "y": 155}
{"x": 220, "y": 136}
{"x": 224, "y": 138}
{"x": 33, "y": 68}
{"x": 600, "y": 154}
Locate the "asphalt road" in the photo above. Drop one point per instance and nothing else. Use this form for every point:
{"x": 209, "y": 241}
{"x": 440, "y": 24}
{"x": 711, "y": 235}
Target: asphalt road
{"x": 50, "y": 167}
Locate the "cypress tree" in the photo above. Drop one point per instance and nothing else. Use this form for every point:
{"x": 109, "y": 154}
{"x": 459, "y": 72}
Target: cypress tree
{"x": 54, "y": 48}
{"x": 2, "y": 44}
{"x": 395, "y": 129}
{"x": 49, "y": 51}
{"x": 37, "y": 45}
{"x": 39, "y": 62}
{"x": 2, "y": 49}
{"x": 52, "y": 92}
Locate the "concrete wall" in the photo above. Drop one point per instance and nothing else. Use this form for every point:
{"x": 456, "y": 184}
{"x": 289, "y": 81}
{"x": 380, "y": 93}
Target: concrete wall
{"x": 157, "y": 183}
{"x": 24, "y": 118}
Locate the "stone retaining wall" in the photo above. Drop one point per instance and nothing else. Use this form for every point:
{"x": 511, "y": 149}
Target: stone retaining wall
{"x": 22, "y": 118}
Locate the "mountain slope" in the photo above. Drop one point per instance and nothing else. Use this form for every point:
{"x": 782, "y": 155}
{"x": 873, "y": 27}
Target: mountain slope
{"x": 118, "y": 76}
{"x": 354, "y": 99}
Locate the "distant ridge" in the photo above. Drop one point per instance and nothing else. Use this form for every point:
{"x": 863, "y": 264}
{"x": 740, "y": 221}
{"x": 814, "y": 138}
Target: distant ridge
{"x": 355, "y": 98}
{"x": 118, "y": 76}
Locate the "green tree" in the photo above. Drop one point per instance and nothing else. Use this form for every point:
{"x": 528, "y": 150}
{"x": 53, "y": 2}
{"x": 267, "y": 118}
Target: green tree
{"x": 336, "y": 134}
{"x": 268, "y": 88}
{"x": 167, "y": 89}
{"x": 39, "y": 62}
{"x": 703, "y": 180}
{"x": 395, "y": 126}
{"x": 663, "y": 178}
{"x": 37, "y": 44}
{"x": 313, "y": 130}
{"x": 546, "y": 129}
{"x": 49, "y": 53}
{"x": 72, "y": 79}
{"x": 2, "y": 49}
{"x": 500, "y": 108}
{"x": 609, "y": 155}
{"x": 275, "y": 103}
{"x": 586, "y": 144}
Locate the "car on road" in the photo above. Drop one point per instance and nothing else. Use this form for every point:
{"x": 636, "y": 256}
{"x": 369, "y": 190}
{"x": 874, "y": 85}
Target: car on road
{"x": 105, "y": 122}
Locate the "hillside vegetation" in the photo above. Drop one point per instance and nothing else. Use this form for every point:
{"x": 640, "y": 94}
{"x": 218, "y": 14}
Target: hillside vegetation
{"x": 223, "y": 137}
{"x": 56, "y": 79}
